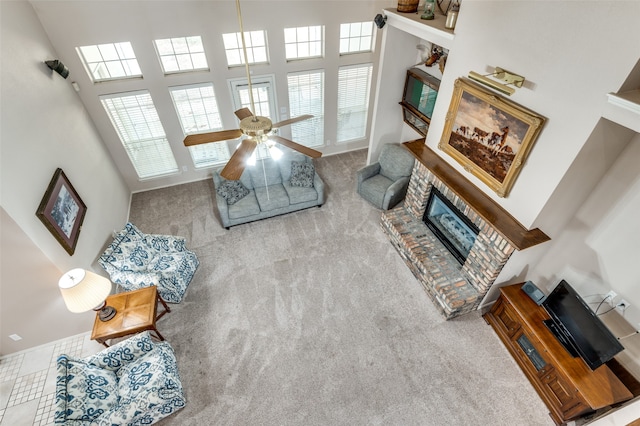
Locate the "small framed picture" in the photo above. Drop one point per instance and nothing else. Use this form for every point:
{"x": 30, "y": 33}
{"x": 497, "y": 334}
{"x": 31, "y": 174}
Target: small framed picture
{"x": 62, "y": 211}
{"x": 490, "y": 136}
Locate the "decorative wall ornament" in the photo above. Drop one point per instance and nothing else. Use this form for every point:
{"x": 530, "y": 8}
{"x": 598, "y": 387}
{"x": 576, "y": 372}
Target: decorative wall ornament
{"x": 62, "y": 211}
{"x": 490, "y": 136}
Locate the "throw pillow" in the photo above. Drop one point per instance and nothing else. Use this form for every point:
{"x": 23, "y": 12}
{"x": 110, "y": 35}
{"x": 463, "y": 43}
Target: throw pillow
{"x": 232, "y": 191}
{"x": 302, "y": 174}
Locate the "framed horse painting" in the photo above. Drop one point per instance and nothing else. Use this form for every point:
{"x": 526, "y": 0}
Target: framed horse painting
{"x": 490, "y": 136}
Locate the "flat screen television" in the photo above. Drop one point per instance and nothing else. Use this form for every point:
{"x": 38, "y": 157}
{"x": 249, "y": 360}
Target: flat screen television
{"x": 578, "y": 328}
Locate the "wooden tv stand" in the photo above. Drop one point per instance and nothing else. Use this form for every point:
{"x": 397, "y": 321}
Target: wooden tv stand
{"x": 566, "y": 385}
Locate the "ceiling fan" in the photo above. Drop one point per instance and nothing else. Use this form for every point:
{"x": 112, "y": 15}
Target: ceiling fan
{"x": 256, "y": 129}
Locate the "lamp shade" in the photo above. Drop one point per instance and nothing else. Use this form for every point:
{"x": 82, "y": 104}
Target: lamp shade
{"x": 83, "y": 290}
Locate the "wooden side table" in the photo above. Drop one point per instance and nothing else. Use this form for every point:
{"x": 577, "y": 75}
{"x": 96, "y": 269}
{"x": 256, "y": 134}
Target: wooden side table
{"x": 136, "y": 311}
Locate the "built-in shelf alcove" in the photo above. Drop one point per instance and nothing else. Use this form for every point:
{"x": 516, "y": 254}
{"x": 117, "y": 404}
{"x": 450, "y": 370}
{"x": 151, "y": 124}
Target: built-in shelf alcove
{"x": 623, "y": 107}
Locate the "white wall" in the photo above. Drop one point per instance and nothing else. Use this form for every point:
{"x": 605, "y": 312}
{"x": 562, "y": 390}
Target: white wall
{"x": 31, "y": 304}
{"x": 580, "y": 182}
{"x": 44, "y": 126}
{"x": 598, "y": 250}
{"x": 70, "y": 24}
{"x": 555, "y": 45}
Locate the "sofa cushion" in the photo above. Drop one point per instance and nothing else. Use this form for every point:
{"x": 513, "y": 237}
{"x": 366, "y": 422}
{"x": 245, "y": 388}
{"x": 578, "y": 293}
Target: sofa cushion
{"x": 245, "y": 178}
{"x": 232, "y": 191}
{"x": 395, "y": 162}
{"x": 285, "y": 163}
{"x": 264, "y": 169}
{"x": 302, "y": 174}
{"x": 248, "y": 206}
{"x": 272, "y": 197}
{"x": 298, "y": 194}
{"x": 91, "y": 391}
{"x": 374, "y": 188}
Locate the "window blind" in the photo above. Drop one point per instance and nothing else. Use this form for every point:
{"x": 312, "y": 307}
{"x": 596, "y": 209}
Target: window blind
{"x": 136, "y": 121}
{"x": 198, "y": 112}
{"x": 306, "y": 96}
{"x": 354, "y": 84}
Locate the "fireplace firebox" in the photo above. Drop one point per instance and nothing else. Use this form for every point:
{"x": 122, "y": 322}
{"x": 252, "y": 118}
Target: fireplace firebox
{"x": 454, "y": 230}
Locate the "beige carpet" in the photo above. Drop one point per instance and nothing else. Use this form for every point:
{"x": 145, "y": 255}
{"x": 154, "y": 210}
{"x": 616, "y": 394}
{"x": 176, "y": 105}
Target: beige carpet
{"x": 312, "y": 318}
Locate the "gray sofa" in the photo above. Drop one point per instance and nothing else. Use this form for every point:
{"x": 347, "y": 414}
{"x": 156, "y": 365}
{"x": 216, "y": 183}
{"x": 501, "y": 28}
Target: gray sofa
{"x": 271, "y": 197}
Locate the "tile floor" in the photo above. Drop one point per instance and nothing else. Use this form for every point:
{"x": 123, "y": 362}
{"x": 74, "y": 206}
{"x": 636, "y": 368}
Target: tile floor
{"x": 28, "y": 380}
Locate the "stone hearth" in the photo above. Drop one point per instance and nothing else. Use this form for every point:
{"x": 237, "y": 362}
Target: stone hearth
{"x": 455, "y": 289}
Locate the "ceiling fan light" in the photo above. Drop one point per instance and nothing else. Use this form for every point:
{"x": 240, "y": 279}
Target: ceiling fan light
{"x": 251, "y": 161}
{"x": 255, "y": 126}
{"x": 275, "y": 152}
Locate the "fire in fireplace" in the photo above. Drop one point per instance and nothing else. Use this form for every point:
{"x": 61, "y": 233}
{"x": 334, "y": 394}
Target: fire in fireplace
{"x": 456, "y": 232}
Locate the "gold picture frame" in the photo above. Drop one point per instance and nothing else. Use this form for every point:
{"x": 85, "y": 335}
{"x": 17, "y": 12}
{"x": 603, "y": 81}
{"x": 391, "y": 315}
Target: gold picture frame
{"x": 490, "y": 136}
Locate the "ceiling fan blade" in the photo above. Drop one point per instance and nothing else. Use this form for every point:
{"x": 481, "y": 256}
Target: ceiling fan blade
{"x": 296, "y": 146}
{"x": 292, "y": 120}
{"x": 243, "y": 113}
{"x": 223, "y": 135}
{"x": 236, "y": 164}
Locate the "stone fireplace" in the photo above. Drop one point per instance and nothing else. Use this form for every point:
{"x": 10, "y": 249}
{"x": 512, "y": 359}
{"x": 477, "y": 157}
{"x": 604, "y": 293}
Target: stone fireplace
{"x": 454, "y": 288}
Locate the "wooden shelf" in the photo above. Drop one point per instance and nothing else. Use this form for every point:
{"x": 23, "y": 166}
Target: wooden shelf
{"x": 624, "y": 108}
{"x": 520, "y": 237}
{"x": 431, "y": 30}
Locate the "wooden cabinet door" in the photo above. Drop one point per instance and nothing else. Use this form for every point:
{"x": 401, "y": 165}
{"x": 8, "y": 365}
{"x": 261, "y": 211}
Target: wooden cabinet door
{"x": 506, "y": 318}
{"x": 565, "y": 396}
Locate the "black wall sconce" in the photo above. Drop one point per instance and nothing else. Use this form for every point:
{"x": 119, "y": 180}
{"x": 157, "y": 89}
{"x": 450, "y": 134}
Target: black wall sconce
{"x": 58, "y": 67}
{"x": 380, "y": 20}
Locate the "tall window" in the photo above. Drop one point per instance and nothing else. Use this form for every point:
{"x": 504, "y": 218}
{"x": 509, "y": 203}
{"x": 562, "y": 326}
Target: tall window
{"x": 110, "y": 61}
{"x": 264, "y": 96}
{"x": 304, "y": 42}
{"x": 181, "y": 54}
{"x": 356, "y": 37}
{"x": 136, "y": 121}
{"x": 263, "y": 99}
{"x": 256, "y": 42}
{"x": 306, "y": 96}
{"x": 354, "y": 84}
{"x": 198, "y": 112}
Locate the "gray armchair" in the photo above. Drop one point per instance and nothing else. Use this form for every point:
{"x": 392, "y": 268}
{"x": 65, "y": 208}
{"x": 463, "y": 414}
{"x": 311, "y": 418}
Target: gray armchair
{"x": 384, "y": 183}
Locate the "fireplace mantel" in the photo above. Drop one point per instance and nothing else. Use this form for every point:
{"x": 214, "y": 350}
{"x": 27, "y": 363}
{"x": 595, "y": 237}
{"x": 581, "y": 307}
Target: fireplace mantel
{"x": 508, "y": 227}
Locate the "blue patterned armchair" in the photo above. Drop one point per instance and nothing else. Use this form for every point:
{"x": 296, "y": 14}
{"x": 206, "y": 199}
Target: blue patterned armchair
{"x": 133, "y": 382}
{"x": 135, "y": 260}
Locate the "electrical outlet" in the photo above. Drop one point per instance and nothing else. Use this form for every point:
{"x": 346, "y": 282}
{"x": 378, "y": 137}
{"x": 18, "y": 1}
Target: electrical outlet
{"x": 622, "y": 306}
{"x": 15, "y": 337}
{"x": 609, "y": 297}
